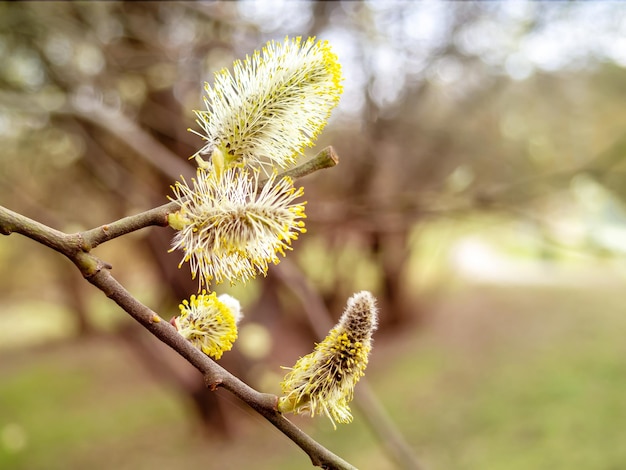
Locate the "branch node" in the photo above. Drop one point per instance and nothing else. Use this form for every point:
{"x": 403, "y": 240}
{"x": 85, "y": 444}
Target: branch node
{"x": 274, "y": 399}
{"x": 212, "y": 383}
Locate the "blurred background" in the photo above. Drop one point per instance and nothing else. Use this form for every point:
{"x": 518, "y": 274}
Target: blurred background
{"x": 479, "y": 196}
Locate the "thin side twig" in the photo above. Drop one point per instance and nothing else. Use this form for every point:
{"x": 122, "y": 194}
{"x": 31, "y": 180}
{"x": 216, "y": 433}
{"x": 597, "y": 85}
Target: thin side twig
{"x": 326, "y": 158}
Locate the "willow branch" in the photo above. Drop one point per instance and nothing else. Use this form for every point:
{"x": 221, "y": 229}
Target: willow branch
{"x": 77, "y": 247}
{"x": 152, "y": 217}
{"x": 215, "y": 375}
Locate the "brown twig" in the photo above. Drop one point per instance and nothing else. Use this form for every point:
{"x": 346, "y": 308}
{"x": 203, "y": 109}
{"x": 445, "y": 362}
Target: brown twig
{"x": 326, "y": 158}
{"x": 77, "y": 247}
{"x": 97, "y": 273}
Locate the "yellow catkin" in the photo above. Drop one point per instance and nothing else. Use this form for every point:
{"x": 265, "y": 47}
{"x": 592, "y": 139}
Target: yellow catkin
{"x": 324, "y": 380}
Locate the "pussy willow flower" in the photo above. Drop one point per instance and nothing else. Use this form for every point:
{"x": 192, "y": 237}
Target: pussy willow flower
{"x": 230, "y": 229}
{"x": 209, "y": 322}
{"x": 323, "y": 381}
{"x": 273, "y": 104}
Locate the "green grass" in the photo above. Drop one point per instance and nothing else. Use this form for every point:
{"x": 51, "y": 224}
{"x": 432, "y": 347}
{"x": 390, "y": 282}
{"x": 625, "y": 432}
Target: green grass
{"x": 67, "y": 403}
{"x": 499, "y": 378}
{"x": 542, "y": 388}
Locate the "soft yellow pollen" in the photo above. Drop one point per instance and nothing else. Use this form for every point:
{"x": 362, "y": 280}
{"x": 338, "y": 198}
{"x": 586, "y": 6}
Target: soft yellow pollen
{"x": 324, "y": 380}
{"x": 232, "y": 229}
{"x": 208, "y": 323}
{"x": 272, "y": 105}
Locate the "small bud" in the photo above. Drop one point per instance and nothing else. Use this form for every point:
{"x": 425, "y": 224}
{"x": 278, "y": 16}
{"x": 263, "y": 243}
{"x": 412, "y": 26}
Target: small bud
{"x": 177, "y": 220}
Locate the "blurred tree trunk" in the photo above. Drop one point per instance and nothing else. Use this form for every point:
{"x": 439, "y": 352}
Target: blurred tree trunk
{"x": 391, "y": 249}
{"x": 75, "y": 298}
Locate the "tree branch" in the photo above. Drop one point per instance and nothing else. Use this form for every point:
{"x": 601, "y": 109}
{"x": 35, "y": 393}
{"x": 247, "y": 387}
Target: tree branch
{"x": 77, "y": 248}
{"x": 157, "y": 216}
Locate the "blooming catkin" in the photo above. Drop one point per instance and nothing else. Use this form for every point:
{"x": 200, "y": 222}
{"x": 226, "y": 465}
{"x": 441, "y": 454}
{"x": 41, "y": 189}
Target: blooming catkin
{"x": 229, "y": 228}
{"x": 324, "y": 380}
{"x": 273, "y": 104}
{"x": 209, "y": 322}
